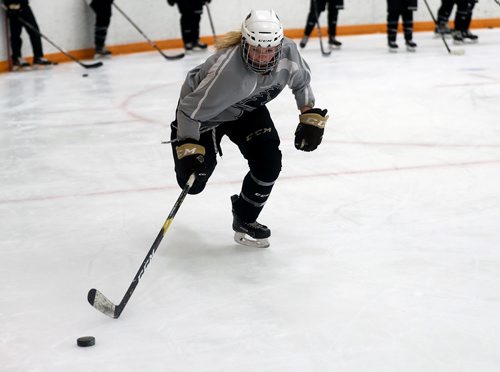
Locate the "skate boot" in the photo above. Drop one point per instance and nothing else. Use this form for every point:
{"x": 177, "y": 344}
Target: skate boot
{"x": 19, "y": 64}
{"x": 188, "y": 47}
{"x": 393, "y": 47}
{"x": 334, "y": 43}
{"x": 457, "y": 37}
{"x": 43, "y": 62}
{"x": 304, "y": 41}
{"x": 251, "y": 234}
{"x": 102, "y": 52}
{"x": 411, "y": 46}
{"x": 197, "y": 45}
{"x": 469, "y": 36}
{"x": 442, "y": 29}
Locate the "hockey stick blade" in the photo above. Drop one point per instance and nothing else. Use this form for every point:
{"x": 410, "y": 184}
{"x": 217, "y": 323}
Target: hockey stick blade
{"x": 101, "y": 303}
{"x": 91, "y": 65}
{"x": 457, "y": 52}
{"x": 171, "y": 58}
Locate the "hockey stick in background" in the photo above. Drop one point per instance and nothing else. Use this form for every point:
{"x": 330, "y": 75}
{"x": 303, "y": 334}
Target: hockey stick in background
{"x": 151, "y": 42}
{"x": 211, "y": 23}
{"x": 316, "y": 12}
{"x": 101, "y": 302}
{"x": 497, "y": 1}
{"x": 456, "y": 52}
{"x": 34, "y": 29}
{"x": 9, "y": 51}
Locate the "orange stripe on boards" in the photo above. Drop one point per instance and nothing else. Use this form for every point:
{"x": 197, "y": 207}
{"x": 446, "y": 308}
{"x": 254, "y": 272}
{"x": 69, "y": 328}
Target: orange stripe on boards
{"x": 291, "y": 33}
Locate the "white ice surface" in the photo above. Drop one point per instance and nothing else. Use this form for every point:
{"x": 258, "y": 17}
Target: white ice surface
{"x": 385, "y": 252}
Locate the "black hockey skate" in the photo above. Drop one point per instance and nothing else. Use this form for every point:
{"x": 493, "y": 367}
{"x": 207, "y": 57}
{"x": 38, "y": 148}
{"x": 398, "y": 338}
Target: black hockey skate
{"x": 43, "y": 62}
{"x": 304, "y": 41}
{"x": 469, "y": 36}
{"x": 197, "y": 45}
{"x": 251, "y": 234}
{"x": 442, "y": 29}
{"x": 334, "y": 43}
{"x": 411, "y": 46}
{"x": 393, "y": 47}
{"x": 19, "y": 64}
{"x": 457, "y": 37}
{"x": 102, "y": 53}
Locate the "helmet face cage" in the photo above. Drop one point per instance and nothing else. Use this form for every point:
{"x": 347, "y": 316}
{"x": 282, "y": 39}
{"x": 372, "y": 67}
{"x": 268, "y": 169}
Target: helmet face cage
{"x": 261, "y": 41}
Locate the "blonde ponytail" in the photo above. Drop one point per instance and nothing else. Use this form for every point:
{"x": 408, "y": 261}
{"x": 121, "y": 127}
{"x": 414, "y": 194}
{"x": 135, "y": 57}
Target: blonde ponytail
{"x": 230, "y": 39}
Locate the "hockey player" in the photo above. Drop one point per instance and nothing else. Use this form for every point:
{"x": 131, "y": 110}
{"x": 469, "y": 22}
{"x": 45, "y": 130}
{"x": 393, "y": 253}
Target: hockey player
{"x": 191, "y": 11}
{"x": 333, "y": 12}
{"x": 405, "y": 9}
{"x": 18, "y": 11}
{"x": 227, "y": 95}
{"x": 102, "y": 10}
{"x": 463, "y": 17}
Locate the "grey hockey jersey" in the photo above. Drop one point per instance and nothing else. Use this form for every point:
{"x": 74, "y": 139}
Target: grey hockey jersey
{"x": 223, "y": 88}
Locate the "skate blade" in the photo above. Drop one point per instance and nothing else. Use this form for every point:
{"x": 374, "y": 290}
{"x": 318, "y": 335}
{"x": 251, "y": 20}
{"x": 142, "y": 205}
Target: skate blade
{"x": 411, "y": 49}
{"x": 242, "y": 239}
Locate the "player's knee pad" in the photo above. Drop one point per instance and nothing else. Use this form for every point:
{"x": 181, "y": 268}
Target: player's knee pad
{"x": 265, "y": 163}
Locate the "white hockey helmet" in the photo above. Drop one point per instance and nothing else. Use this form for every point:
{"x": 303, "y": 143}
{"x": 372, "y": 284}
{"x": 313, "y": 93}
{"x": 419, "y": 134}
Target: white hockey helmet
{"x": 261, "y": 40}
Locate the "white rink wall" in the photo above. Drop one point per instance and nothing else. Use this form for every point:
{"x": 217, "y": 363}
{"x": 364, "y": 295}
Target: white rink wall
{"x": 69, "y": 22}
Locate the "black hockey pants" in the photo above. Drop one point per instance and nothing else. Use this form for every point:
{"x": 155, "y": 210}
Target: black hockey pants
{"x": 191, "y": 11}
{"x": 463, "y": 15}
{"x": 102, "y": 9}
{"x": 395, "y": 9}
{"x": 16, "y": 28}
{"x": 257, "y": 139}
{"x": 333, "y": 13}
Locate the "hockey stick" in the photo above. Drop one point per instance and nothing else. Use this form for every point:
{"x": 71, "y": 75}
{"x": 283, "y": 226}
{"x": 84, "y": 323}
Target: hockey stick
{"x": 315, "y": 6}
{"x": 151, "y": 42}
{"x": 211, "y": 23}
{"x": 457, "y": 52}
{"x": 85, "y": 65}
{"x": 9, "y": 51}
{"x": 497, "y": 1}
{"x": 101, "y": 302}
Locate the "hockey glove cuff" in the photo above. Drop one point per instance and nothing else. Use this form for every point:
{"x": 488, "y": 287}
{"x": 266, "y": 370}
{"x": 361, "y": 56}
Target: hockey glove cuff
{"x": 13, "y": 10}
{"x": 191, "y": 158}
{"x": 309, "y": 133}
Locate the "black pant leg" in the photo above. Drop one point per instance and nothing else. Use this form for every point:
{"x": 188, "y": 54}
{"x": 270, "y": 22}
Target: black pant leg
{"x": 102, "y": 9}
{"x": 461, "y": 15}
{"x": 36, "y": 41}
{"x": 444, "y": 11}
{"x": 195, "y": 21}
{"x": 16, "y": 43}
{"x": 333, "y": 14}
{"x": 470, "y": 7}
{"x": 407, "y": 23}
{"x": 311, "y": 18}
{"x": 393, "y": 12}
{"x": 258, "y": 141}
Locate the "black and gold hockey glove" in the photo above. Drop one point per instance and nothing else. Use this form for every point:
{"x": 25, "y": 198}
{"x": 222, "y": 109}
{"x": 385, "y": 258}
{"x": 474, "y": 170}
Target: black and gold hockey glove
{"x": 310, "y": 130}
{"x": 191, "y": 159}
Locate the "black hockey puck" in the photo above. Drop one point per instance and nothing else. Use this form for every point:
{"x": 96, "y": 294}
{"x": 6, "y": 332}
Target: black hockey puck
{"x": 86, "y": 341}
{"x": 85, "y": 75}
